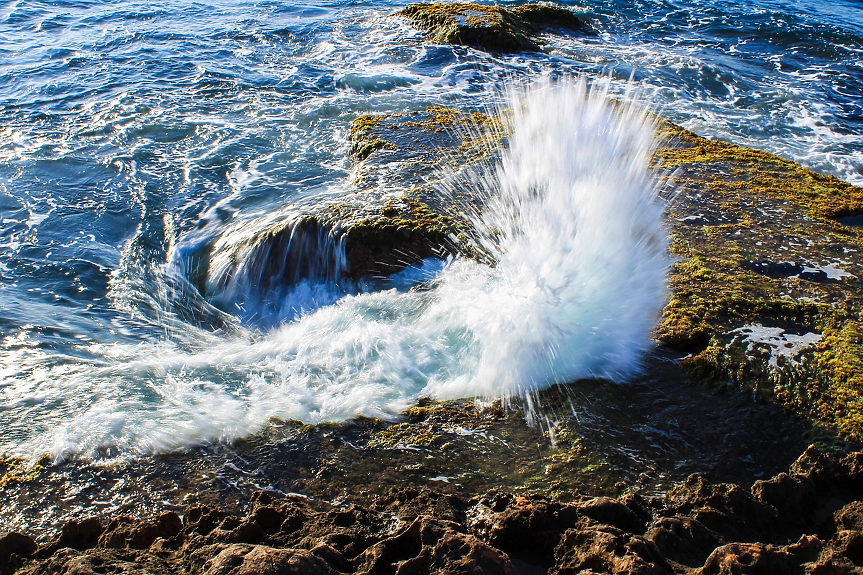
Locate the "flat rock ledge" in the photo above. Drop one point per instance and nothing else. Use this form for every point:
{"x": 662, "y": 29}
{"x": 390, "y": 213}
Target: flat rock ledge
{"x": 806, "y": 520}
{"x": 767, "y": 287}
{"x": 492, "y": 28}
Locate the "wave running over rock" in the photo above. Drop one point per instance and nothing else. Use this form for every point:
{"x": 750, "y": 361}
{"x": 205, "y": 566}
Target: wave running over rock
{"x": 571, "y": 219}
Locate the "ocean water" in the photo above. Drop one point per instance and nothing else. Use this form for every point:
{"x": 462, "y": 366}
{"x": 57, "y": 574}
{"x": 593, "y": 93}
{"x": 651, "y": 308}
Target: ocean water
{"x": 130, "y": 131}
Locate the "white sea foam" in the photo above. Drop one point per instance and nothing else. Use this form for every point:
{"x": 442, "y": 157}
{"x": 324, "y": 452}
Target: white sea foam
{"x": 785, "y": 345}
{"x": 572, "y": 224}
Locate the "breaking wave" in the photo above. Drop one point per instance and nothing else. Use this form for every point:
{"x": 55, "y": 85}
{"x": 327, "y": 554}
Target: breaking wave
{"x": 571, "y": 224}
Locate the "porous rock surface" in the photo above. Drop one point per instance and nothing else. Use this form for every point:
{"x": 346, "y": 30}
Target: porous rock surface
{"x": 807, "y": 520}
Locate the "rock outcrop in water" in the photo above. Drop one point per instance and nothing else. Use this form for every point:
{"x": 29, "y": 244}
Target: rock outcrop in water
{"x": 808, "y": 520}
{"x": 390, "y": 221}
{"x": 490, "y": 27}
{"x": 767, "y": 289}
{"x": 767, "y": 284}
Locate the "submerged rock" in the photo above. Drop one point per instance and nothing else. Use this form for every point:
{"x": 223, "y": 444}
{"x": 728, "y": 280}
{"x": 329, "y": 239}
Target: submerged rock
{"x": 490, "y": 27}
{"x": 699, "y": 527}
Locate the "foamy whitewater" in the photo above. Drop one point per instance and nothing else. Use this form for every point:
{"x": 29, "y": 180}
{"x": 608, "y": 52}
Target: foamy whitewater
{"x": 572, "y": 222}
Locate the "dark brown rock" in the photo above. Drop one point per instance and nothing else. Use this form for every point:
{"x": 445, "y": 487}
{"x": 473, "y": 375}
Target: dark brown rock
{"x": 791, "y": 496}
{"x": 202, "y": 519}
{"x": 17, "y": 543}
{"x": 816, "y": 466}
{"x": 806, "y": 550}
{"x": 750, "y": 558}
{"x": 525, "y": 527}
{"x": 700, "y": 527}
{"x": 850, "y": 544}
{"x": 726, "y": 509}
{"x": 683, "y": 540}
{"x": 612, "y": 512}
{"x": 14, "y": 547}
{"x": 76, "y": 535}
{"x": 68, "y": 561}
{"x": 607, "y": 550}
{"x": 850, "y": 517}
{"x": 432, "y": 546}
{"x": 409, "y": 503}
{"x": 128, "y": 533}
{"x": 259, "y": 560}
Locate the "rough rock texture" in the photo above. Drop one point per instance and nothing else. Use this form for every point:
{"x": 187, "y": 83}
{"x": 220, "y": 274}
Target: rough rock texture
{"x": 767, "y": 290}
{"x": 804, "y": 521}
{"x": 767, "y": 287}
{"x": 490, "y": 27}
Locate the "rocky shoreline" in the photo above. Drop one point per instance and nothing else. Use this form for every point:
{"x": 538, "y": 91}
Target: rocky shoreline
{"x": 766, "y": 298}
{"x": 806, "y": 520}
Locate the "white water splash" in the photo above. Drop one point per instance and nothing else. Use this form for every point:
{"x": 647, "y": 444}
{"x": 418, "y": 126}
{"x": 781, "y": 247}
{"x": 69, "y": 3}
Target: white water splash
{"x": 571, "y": 220}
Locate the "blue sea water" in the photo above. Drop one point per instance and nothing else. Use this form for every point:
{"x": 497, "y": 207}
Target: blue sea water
{"x": 127, "y": 128}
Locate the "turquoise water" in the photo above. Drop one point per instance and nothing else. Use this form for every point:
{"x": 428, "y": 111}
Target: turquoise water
{"x": 130, "y": 130}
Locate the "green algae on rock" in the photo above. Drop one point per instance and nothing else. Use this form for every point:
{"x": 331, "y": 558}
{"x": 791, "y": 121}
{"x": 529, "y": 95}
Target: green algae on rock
{"x": 17, "y": 470}
{"x": 766, "y": 292}
{"x": 766, "y": 288}
{"x": 394, "y": 218}
{"x": 490, "y": 27}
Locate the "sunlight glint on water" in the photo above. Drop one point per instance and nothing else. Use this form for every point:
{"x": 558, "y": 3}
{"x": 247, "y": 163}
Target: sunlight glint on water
{"x": 572, "y": 222}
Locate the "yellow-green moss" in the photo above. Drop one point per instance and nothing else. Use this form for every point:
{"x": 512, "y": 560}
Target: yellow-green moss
{"x": 757, "y": 172}
{"x": 713, "y": 292}
{"x": 365, "y": 149}
{"x": 365, "y": 122}
{"x": 403, "y": 434}
{"x": 20, "y": 470}
{"x": 839, "y": 373}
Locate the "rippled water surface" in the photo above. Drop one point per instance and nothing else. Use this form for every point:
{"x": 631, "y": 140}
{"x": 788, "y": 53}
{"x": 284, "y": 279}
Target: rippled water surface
{"x": 130, "y": 130}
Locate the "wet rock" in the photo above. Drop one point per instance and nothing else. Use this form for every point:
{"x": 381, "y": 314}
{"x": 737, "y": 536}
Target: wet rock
{"x": 683, "y": 540}
{"x": 126, "y": 533}
{"x": 489, "y": 27}
{"x": 612, "y": 512}
{"x": 432, "y": 546}
{"x": 607, "y": 550}
{"x": 738, "y": 558}
{"x": 260, "y": 560}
